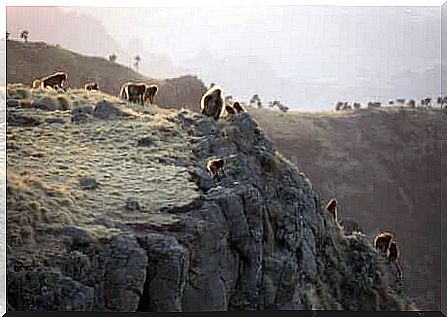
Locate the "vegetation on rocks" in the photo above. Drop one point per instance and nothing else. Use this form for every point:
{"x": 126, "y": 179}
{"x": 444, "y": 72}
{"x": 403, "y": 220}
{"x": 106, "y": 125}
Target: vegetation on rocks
{"x": 111, "y": 208}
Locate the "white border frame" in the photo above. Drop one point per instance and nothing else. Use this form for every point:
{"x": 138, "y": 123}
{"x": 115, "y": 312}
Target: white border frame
{"x": 164, "y": 3}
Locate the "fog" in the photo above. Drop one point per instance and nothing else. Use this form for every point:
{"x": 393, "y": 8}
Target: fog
{"x": 309, "y": 57}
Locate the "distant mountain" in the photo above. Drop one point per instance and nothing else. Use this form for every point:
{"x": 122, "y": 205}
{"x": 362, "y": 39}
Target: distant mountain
{"x": 68, "y": 29}
{"x": 241, "y": 76}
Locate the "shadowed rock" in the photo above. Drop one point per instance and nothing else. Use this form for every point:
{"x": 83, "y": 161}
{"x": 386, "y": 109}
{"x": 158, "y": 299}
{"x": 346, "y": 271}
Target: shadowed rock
{"x": 88, "y": 183}
{"x": 107, "y": 110}
{"x": 12, "y": 103}
{"x": 146, "y": 141}
{"x": 132, "y": 204}
{"x": 78, "y": 237}
{"x": 45, "y": 291}
{"x": 21, "y": 120}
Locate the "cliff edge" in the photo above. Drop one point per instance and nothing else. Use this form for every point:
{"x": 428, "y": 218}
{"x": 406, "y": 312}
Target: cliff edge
{"x": 111, "y": 208}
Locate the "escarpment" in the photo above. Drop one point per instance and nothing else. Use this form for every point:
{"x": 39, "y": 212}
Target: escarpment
{"x": 158, "y": 232}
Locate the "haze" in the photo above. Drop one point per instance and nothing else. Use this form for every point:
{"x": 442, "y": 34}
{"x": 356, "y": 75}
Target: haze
{"x": 309, "y": 57}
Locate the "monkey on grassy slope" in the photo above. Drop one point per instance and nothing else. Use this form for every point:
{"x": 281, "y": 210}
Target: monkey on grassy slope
{"x": 55, "y": 81}
{"x": 151, "y": 91}
{"x": 134, "y": 92}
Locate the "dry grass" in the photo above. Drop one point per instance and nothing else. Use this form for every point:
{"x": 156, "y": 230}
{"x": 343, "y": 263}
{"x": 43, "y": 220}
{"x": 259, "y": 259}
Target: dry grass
{"x": 46, "y": 163}
{"x": 22, "y": 68}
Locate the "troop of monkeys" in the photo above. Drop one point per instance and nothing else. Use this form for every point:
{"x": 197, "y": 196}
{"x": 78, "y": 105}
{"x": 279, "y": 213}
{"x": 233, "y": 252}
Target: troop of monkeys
{"x": 213, "y": 105}
{"x": 384, "y": 242}
{"x": 133, "y": 92}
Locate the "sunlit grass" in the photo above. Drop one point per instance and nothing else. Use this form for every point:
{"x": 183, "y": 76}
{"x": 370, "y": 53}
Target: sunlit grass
{"x": 48, "y": 161}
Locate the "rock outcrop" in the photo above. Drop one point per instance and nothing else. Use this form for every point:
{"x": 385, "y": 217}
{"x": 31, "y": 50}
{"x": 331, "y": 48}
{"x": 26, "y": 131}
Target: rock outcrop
{"x": 258, "y": 238}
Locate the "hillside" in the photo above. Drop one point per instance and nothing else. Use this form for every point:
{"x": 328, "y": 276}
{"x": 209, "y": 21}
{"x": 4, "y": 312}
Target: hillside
{"x": 28, "y": 61}
{"x": 387, "y": 169}
{"x": 113, "y": 210}
{"x": 88, "y": 37}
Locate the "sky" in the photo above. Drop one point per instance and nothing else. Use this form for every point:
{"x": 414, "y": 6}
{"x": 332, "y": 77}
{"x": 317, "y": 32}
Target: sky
{"x": 309, "y": 57}
{"x": 287, "y": 37}
{"x": 344, "y": 50}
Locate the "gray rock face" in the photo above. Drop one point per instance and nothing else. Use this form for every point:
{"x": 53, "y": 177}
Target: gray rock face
{"x": 77, "y": 236}
{"x": 167, "y": 271}
{"x": 125, "y": 274}
{"x": 47, "y": 291}
{"x": 258, "y": 238}
{"x": 115, "y": 269}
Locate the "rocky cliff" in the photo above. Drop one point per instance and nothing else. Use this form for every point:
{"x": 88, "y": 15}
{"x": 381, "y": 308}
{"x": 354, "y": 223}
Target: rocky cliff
{"x": 387, "y": 167}
{"x": 111, "y": 208}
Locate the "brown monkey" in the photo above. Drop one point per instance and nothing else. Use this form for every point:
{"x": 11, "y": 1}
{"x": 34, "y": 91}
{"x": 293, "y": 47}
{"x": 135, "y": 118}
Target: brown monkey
{"x": 91, "y": 86}
{"x": 393, "y": 257}
{"x": 332, "y": 208}
{"x": 213, "y": 102}
{"x": 382, "y": 241}
{"x": 57, "y": 80}
{"x": 215, "y": 166}
{"x": 238, "y": 107}
{"x": 229, "y": 109}
{"x": 133, "y": 92}
{"x": 151, "y": 91}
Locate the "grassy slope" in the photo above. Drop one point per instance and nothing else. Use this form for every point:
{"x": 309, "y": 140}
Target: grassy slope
{"x": 384, "y": 166}
{"x": 46, "y": 162}
{"x": 28, "y": 61}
